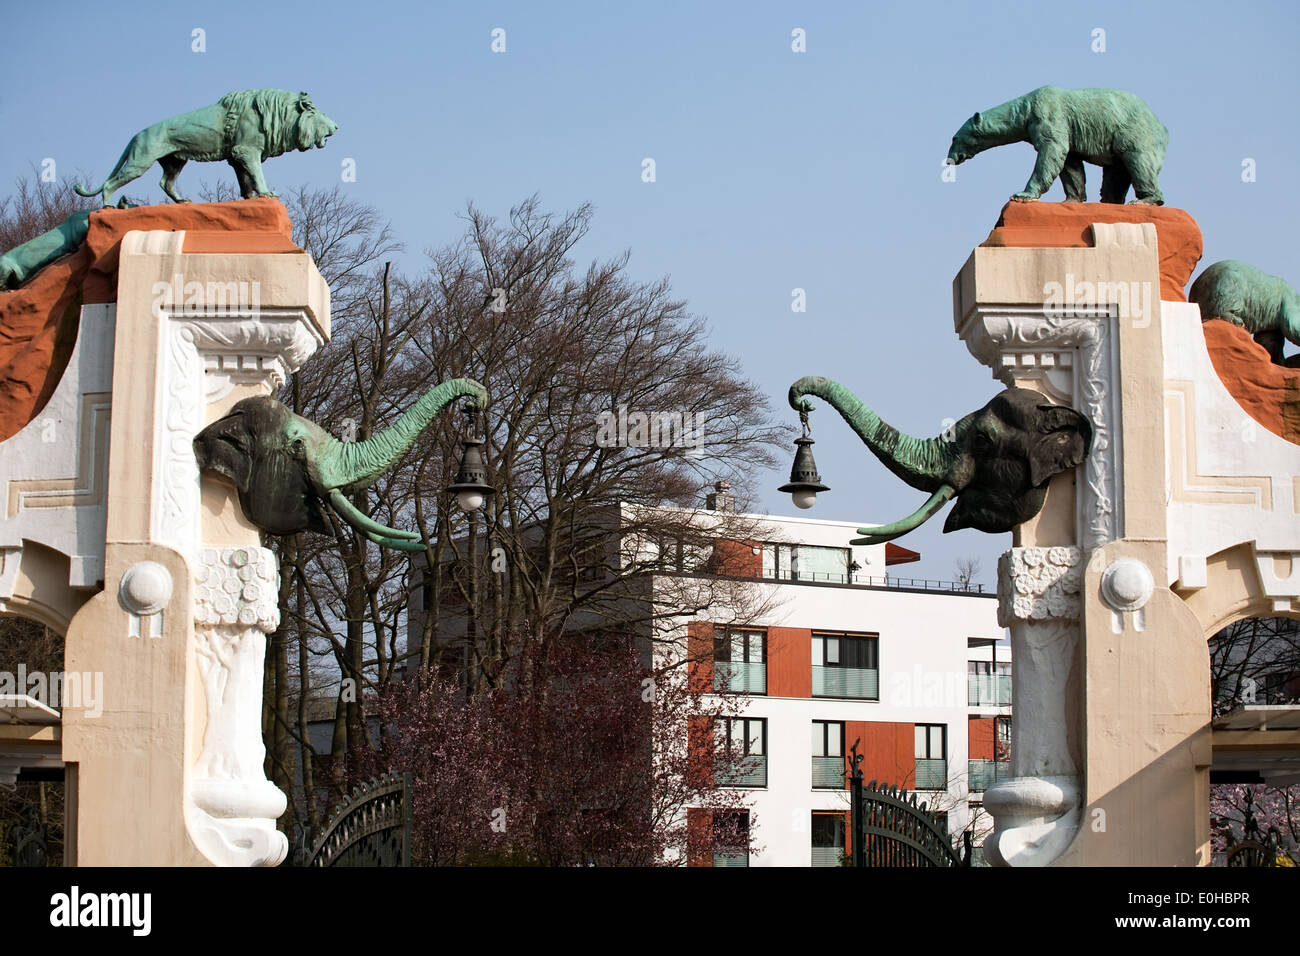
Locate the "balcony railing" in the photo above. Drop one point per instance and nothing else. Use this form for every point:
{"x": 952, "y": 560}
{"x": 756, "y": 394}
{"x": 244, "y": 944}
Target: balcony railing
{"x": 730, "y": 858}
{"x": 872, "y": 581}
{"x": 988, "y": 690}
{"x": 861, "y": 682}
{"x": 745, "y": 772}
{"x": 827, "y": 855}
{"x": 739, "y": 678}
{"x": 931, "y": 774}
{"x": 985, "y": 773}
{"x": 828, "y": 772}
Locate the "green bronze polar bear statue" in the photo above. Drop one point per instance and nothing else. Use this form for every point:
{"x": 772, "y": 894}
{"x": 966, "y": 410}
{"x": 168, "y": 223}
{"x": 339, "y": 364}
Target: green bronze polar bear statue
{"x": 244, "y": 128}
{"x": 1108, "y": 128}
{"x": 1264, "y": 305}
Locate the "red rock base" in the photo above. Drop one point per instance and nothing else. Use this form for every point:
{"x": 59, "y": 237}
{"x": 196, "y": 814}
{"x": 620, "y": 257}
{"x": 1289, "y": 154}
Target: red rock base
{"x": 1053, "y": 225}
{"x": 38, "y": 322}
{"x": 1268, "y": 393}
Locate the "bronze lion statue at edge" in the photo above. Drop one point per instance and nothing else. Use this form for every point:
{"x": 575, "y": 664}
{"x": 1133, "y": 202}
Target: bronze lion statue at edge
{"x": 244, "y": 128}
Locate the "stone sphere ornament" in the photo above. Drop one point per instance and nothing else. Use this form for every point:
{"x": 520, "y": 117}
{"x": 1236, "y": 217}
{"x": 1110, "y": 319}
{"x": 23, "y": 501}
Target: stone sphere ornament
{"x": 1127, "y": 585}
{"x": 146, "y": 588}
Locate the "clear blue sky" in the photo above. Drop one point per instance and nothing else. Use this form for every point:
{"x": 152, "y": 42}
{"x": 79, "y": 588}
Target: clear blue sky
{"x": 775, "y": 170}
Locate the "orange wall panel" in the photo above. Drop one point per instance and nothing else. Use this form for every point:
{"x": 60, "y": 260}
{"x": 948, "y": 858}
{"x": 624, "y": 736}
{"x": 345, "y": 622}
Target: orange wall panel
{"x": 699, "y": 837}
{"x": 888, "y": 750}
{"x": 699, "y": 652}
{"x": 789, "y": 662}
{"x": 737, "y": 558}
{"x": 981, "y": 735}
{"x": 699, "y": 750}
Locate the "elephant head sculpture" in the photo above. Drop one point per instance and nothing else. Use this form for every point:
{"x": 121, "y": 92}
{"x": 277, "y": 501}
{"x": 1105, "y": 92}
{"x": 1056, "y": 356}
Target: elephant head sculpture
{"x": 996, "y": 461}
{"x": 285, "y": 467}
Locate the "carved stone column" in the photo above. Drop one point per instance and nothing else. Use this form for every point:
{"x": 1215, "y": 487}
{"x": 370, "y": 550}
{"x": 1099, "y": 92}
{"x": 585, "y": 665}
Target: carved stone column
{"x": 231, "y": 807}
{"x": 1037, "y": 812}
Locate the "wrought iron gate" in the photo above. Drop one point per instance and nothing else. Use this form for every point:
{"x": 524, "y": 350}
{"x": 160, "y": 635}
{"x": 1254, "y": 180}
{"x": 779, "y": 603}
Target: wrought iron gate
{"x": 890, "y": 827}
{"x": 372, "y": 827}
{"x": 897, "y": 830}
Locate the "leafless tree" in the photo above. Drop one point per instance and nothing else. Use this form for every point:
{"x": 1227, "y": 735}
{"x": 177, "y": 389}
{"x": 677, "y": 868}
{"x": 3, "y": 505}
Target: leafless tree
{"x": 37, "y": 205}
{"x": 577, "y": 522}
{"x": 968, "y": 570}
{"x": 1255, "y": 660}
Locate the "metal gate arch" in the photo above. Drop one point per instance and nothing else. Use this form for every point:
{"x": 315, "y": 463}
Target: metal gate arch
{"x": 372, "y": 827}
{"x": 900, "y": 831}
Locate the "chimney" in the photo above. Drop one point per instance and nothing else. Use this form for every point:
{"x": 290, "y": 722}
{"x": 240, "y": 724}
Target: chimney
{"x": 721, "y": 498}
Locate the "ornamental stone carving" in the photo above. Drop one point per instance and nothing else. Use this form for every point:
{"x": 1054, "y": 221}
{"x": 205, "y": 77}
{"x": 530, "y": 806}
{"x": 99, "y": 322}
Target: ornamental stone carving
{"x": 1037, "y": 584}
{"x": 237, "y": 586}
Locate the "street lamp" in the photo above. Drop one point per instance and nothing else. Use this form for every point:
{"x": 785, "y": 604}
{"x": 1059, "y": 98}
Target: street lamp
{"x": 470, "y": 486}
{"x": 804, "y": 481}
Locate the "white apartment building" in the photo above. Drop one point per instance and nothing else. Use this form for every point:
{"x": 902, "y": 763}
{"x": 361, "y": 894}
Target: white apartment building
{"x": 915, "y": 672}
{"x": 849, "y": 648}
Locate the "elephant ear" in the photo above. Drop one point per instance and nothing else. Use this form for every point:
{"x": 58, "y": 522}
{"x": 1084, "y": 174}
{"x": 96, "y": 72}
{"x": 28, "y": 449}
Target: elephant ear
{"x": 1061, "y": 443}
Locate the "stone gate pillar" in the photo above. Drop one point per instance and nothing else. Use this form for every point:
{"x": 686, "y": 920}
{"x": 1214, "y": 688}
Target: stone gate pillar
{"x": 1110, "y": 742}
{"x": 219, "y": 307}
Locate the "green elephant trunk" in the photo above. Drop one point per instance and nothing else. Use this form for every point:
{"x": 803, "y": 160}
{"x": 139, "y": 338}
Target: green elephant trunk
{"x": 354, "y": 466}
{"x": 924, "y": 464}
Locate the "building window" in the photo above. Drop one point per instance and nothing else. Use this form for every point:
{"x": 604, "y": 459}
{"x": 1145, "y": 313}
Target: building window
{"x": 740, "y": 662}
{"x": 828, "y": 754}
{"x": 805, "y": 562}
{"x": 741, "y": 751}
{"x": 931, "y": 757}
{"x": 984, "y": 772}
{"x": 845, "y": 665}
{"x": 827, "y": 838}
{"x": 988, "y": 685}
{"x": 731, "y": 838}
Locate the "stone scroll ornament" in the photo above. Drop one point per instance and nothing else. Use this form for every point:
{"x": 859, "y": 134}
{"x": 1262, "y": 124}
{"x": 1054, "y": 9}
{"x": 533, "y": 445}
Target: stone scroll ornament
{"x": 286, "y": 467}
{"x": 244, "y": 128}
{"x": 1108, "y": 128}
{"x": 996, "y": 462}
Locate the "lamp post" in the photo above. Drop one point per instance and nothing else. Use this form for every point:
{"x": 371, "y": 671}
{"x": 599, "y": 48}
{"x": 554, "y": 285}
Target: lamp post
{"x": 470, "y": 489}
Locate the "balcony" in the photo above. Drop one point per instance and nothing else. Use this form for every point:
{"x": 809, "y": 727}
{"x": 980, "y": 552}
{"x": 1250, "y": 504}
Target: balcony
{"x": 858, "y": 579}
{"x": 988, "y": 690}
{"x": 931, "y": 774}
{"x": 730, "y": 858}
{"x": 985, "y": 773}
{"x": 747, "y": 772}
{"x": 827, "y": 855}
{"x": 828, "y": 772}
{"x": 739, "y": 678}
{"x": 859, "y": 682}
